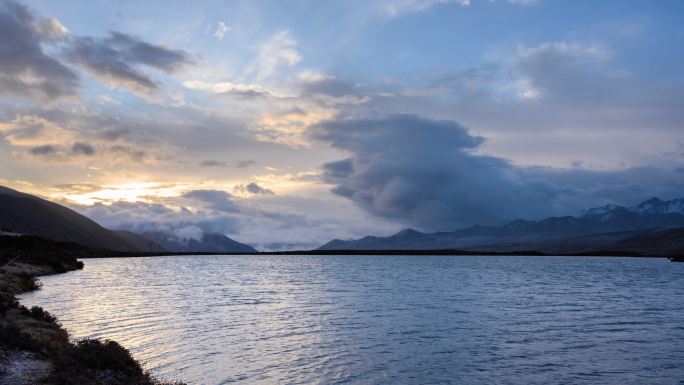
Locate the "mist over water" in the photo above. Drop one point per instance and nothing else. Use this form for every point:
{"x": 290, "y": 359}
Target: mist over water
{"x": 382, "y": 319}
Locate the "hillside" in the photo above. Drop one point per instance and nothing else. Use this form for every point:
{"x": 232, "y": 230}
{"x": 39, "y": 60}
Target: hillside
{"x": 28, "y": 214}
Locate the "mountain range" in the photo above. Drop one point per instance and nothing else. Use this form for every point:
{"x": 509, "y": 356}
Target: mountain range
{"x": 610, "y": 227}
{"x": 206, "y": 242}
{"x": 653, "y": 227}
{"x": 27, "y": 214}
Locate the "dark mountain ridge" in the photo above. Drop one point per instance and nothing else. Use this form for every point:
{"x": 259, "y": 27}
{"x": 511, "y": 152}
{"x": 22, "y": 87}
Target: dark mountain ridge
{"x": 596, "y": 227}
{"x": 27, "y": 214}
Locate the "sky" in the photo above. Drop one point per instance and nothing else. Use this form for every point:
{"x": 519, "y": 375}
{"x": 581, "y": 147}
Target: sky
{"x": 285, "y": 124}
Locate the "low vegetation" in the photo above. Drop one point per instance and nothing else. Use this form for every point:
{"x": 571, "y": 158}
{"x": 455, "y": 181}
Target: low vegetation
{"x": 36, "y": 332}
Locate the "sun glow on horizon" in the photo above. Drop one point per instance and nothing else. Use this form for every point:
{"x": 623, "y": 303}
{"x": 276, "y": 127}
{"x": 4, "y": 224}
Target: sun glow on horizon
{"x": 126, "y": 192}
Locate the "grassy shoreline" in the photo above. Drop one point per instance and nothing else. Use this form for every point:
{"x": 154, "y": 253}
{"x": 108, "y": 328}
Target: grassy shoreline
{"x": 34, "y": 348}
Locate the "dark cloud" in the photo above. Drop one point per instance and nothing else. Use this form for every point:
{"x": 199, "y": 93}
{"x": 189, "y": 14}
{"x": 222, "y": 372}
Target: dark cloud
{"x": 115, "y": 59}
{"x": 212, "y": 163}
{"x": 245, "y": 163}
{"x": 80, "y": 148}
{"x": 215, "y": 200}
{"x": 127, "y": 152}
{"x": 326, "y": 85}
{"x": 26, "y": 71}
{"x": 425, "y": 173}
{"x": 245, "y": 94}
{"x": 253, "y": 188}
{"x": 339, "y": 169}
{"x": 44, "y": 150}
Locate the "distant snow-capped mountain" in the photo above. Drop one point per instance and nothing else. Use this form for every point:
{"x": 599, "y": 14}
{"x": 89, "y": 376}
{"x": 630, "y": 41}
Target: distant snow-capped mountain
{"x": 599, "y": 226}
{"x": 658, "y": 206}
{"x": 651, "y": 206}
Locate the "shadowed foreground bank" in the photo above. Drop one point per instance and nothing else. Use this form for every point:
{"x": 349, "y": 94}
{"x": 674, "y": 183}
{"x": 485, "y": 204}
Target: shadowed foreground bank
{"x": 34, "y": 348}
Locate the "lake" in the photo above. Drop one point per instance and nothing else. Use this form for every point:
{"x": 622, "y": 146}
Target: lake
{"x": 383, "y": 319}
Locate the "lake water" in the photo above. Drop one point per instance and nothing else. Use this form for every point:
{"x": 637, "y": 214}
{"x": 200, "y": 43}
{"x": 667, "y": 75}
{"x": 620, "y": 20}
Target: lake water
{"x": 383, "y": 319}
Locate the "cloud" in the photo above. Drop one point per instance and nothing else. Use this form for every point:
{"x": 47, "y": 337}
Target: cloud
{"x": 531, "y": 99}
{"x": 425, "y": 173}
{"x": 43, "y": 150}
{"x": 395, "y": 8}
{"x": 273, "y": 222}
{"x": 212, "y": 163}
{"x": 26, "y": 70}
{"x": 252, "y": 188}
{"x": 61, "y": 153}
{"x": 33, "y": 130}
{"x": 115, "y": 60}
{"x": 229, "y": 89}
{"x": 280, "y": 49}
{"x": 75, "y": 134}
{"x": 221, "y": 30}
{"x": 245, "y": 163}
{"x": 83, "y": 149}
{"x": 319, "y": 83}
{"x": 566, "y": 70}
{"x": 290, "y": 126}
{"x": 189, "y": 232}
{"x": 213, "y": 199}
{"x": 328, "y": 90}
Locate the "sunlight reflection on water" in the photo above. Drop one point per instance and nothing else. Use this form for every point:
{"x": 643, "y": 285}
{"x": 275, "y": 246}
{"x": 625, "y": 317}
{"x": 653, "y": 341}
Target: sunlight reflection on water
{"x": 382, "y": 319}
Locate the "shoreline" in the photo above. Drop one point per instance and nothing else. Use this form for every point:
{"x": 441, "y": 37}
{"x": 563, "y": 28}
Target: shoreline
{"x": 36, "y": 349}
{"x": 434, "y": 252}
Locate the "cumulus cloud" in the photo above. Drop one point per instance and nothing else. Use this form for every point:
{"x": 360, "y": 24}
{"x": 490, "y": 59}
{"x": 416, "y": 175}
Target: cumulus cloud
{"x": 116, "y": 60}
{"x": 531, "y": 99}
{"x": 425, "y": 173}
{"x": 26, "y": 70}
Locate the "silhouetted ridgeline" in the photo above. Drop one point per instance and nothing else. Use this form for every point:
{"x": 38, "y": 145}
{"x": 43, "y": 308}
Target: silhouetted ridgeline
{"x": 22, "y": 213}
{"x": 28, "y": 214}
{"x": 653, "y": 227}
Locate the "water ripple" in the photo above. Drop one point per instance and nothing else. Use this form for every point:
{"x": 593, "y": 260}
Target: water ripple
{"x": 383, "y": 320}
